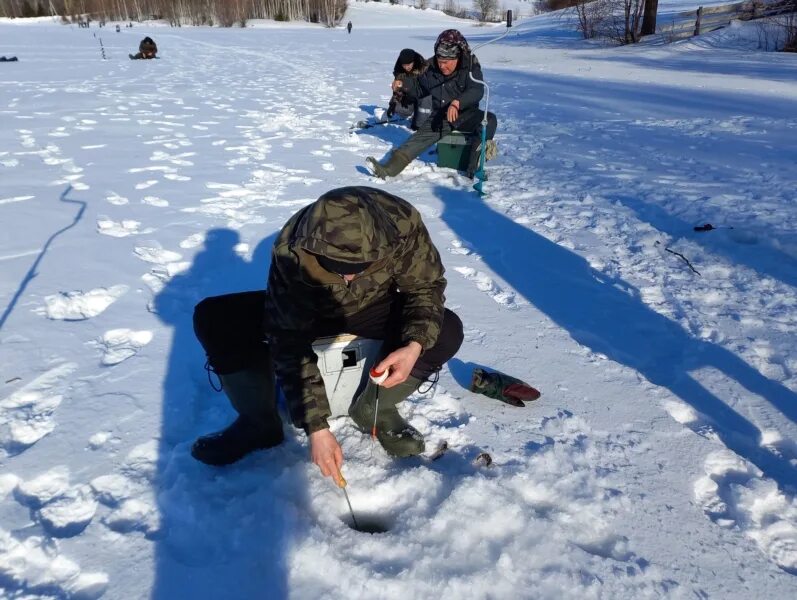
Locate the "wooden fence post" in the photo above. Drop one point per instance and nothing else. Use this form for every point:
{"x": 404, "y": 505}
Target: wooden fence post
{"x": 697, "y": 21}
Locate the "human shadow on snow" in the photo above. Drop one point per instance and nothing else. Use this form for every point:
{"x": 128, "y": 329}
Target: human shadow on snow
{"x": 223, "y": 531}
{"x": 607, "y": 316}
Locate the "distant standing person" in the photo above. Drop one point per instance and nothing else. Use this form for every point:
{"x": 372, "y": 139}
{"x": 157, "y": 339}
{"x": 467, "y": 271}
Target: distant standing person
{"x": 146, "y": 49}
{"x": 348, "y": 26}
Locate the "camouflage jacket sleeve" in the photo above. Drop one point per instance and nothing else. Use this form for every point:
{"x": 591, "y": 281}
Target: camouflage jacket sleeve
{"x": 419, "y": 276}
{"x": 289, "y": 325}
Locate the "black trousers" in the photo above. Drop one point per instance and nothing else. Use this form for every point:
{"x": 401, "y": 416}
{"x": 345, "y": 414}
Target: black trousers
{"x": 230, "y": 329}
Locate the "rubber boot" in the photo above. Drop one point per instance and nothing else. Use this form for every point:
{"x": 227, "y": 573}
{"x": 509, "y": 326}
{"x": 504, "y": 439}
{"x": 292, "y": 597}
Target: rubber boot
{"x": 258, "y": 426}
{"x": 474, "y": 159}
{"x": 397, "y": 437}
{"x": 397, "y": 163}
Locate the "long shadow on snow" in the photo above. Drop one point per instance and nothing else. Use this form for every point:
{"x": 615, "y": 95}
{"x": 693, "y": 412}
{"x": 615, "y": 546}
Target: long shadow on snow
{"x": 32, "y": 271}
{"x": 739, "y": 245}
{"x": 607, "y": 316}
{"x": 723, "y": 62}
{"x": 223, "y": 531}
{"x": 582, "y": 105}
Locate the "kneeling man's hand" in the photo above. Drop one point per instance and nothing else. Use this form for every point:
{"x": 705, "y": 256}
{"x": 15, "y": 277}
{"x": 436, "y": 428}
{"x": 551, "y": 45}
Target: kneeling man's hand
{"x": 400, "y": 363}
{"x": 326, "y": 453}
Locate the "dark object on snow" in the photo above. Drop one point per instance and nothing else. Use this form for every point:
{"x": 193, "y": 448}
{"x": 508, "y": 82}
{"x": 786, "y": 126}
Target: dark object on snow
{"x": 483, "y": 460}
{"x": 348, "y": 26}
{"x": 8, "y": 59}
{"x": 146, "y": 49}
{"x": 503, "y": 387}
{"x": 117, "y": 29}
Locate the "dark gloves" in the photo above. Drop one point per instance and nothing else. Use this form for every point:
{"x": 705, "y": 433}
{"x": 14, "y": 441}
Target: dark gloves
{"x": 502, "y": 387}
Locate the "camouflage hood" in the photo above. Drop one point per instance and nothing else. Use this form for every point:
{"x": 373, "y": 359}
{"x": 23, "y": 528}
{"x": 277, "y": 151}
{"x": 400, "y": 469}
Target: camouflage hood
{"x": 348, "y": 225}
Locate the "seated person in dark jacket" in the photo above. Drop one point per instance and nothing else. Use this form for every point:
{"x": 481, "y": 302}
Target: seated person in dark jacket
{"x": 455, "y": 103}
{"x": 146, "y": 49}
{"x": 410, "y": 65}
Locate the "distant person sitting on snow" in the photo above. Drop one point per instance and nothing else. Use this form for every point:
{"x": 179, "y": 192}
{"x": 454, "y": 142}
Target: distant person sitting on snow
{"x": 357, "y": 260}
{"x": 348, "y": 26}
{"x": 410, "y": 65}
{"x": 146, "y": 49}
{"x": 8, "y": 59}
{"x": 455, "y": 104}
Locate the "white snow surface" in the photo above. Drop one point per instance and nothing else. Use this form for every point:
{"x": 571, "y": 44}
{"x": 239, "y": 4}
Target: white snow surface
{"x": 661, "y": 459}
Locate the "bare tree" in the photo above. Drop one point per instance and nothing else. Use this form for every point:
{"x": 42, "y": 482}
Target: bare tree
{"x": 485, "y": 9}
{"x": 179, "y": 12}
{"x": 592, "y": 16}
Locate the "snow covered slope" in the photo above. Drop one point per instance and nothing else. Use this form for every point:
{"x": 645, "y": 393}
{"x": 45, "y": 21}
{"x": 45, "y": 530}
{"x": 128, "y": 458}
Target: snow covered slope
{"x": 659, "y": 462}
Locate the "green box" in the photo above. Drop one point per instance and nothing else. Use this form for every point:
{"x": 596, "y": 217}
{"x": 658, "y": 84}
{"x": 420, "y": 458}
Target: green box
{"x": 453, "y": 151}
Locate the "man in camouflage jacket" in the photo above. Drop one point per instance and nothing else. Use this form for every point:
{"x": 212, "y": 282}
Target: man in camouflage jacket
{"x": 358, "y": 260}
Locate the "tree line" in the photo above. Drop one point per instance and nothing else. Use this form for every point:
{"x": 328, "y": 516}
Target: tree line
{"x": 225, "y": 13}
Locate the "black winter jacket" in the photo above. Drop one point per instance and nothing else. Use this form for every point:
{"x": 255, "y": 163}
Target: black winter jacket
{"x": 444, "y": 90}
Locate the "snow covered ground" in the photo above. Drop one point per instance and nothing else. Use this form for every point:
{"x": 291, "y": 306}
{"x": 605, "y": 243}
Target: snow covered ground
{"x": 660, "y": 460}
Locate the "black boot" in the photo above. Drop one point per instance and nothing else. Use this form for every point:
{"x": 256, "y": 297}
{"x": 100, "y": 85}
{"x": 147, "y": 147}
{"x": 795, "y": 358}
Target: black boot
{"x": 397, "y": 437}
{"x": 258, "y": 426}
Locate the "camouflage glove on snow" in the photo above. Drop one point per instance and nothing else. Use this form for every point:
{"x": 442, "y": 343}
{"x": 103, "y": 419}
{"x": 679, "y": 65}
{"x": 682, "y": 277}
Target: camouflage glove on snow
{"x": 502, "y": 387}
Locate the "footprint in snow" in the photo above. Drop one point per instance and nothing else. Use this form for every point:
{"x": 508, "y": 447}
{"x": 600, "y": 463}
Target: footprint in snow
{"x": 116, "y": 199}
{"x": 176, "y": 177}
{"x": 155, "y": 255}
{"x": 40, "y": 490}
{"x": 129, "y": 494}
{"x": 175, "y": 159}
{"x": 733, "y": 493}
{"x": 146, "y": 184}
{"x": 59, "y": 132}
{"x": 459, "y": 247}
{"x": 157, "y": 278}
{"x": 70, "y": 513}
{"x": 155, "y": 201}
{"x": 193, "y": 240}
{"x": 486, "y": 284}
{"x": 35, "y": 566}
{"x": 77, "y": 306}
{"x": 121, "y": 229}
{"x": 120, "y": 344}
{"x": 100, "y": 439}
{"x": 26, "y": 416}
